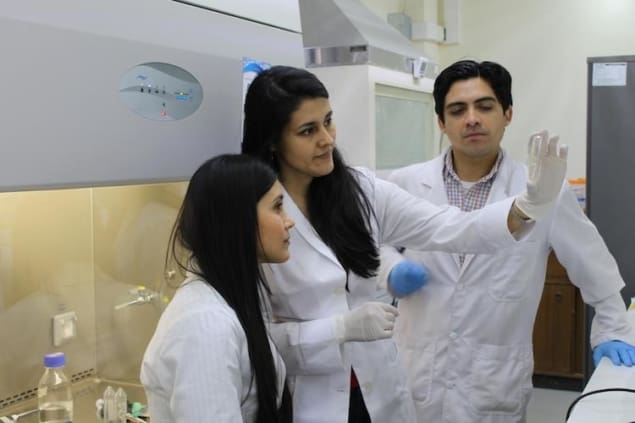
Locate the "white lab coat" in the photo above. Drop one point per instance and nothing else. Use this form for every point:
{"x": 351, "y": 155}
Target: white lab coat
{"x": 309, "y": 290}
{"x": 465, "y": 338}
{"x": 196, "y": 367}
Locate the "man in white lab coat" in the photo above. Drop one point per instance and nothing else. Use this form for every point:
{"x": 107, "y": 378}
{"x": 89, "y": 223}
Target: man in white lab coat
{"x": 466, "y": 336}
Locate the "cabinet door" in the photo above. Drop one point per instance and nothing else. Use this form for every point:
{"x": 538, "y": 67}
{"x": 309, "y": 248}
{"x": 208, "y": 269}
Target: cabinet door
{"x": 554, "y": 330}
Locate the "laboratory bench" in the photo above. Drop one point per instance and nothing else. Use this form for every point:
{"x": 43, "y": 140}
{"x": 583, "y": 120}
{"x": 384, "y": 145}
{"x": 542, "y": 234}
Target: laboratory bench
{"x": 86, "y": 392}
{"x": 608, "y": 407}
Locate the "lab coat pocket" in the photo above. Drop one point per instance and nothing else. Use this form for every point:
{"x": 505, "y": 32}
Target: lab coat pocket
{"x": 500, "y": 380}
{"x": 508, "y": 274}
{"x": 418, "y": 358}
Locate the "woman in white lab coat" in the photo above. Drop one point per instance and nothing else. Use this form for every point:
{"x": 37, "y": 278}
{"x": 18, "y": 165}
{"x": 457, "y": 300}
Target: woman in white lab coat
{"x": 210, "y": 358}
{"x": 335, "y": 339}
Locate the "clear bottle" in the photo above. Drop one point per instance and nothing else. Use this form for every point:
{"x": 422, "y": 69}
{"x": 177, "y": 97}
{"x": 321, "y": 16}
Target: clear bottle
{"x": 55, "y": 398}
{"x": 110, "y": 407}
{"x": 115, "y": 405}
{"x": 121, "y": 401}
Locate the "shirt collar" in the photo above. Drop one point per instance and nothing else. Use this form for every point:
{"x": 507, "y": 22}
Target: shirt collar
{"x": 450, "y": 173}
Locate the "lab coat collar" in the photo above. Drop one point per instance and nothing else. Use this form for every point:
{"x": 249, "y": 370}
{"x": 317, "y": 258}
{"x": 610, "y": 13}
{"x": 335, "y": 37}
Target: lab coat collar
{"x": 431, "y": 177}
{"x": 502, "y": 186}
{"x": 501, "y": 189}
{"x": 304, "y": 228}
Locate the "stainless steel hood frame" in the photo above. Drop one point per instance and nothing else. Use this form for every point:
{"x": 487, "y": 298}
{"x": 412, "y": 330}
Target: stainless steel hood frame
{"x": 345, "y": 32}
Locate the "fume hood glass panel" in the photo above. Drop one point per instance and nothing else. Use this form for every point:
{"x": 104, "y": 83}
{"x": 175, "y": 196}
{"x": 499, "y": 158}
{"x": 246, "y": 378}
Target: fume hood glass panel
{"x": 403, "y": 125}
{"x": 85, "y": 250}
{"x": 46, "y": 268}
{"x": 160, "y": 91}
{"x": 131, "y": 229}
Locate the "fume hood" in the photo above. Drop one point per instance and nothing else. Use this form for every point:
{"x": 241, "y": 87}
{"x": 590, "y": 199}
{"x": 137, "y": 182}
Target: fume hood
{"x": 109, "y": 107}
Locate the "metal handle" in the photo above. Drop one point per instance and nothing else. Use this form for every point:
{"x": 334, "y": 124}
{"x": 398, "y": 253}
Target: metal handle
{"x": 14, "y": 417}
{"x": 143, "y": 296}
{"x": 129, "y": 303}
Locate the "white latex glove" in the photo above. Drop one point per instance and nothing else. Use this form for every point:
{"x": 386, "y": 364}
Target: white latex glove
{"x": 547, "y": 168}
{"x": 368, "y": 322}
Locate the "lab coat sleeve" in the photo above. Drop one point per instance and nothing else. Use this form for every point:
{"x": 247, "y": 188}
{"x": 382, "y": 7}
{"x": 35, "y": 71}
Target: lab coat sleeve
{"x": 204, "y": 359}
{"x": 610, "y": 322}
{"x": 591, "y": 267}
{"x": 415, "y": 223}
{"x": 308, "y": 347}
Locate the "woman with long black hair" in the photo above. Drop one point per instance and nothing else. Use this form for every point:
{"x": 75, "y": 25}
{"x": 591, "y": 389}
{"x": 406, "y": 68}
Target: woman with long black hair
{"x": 211, "y": 359}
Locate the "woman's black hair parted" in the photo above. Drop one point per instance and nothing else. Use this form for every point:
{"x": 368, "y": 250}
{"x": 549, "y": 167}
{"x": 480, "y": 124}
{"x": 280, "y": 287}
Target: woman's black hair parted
{"x": 338, "y": 209}
{"x": 494, "y": 74}
{"x": 217, "y": 227}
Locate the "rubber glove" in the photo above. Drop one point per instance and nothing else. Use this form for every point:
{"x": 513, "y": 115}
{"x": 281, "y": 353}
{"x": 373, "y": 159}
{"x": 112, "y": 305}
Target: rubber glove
{"x": 547, "y": 169}
{"x": 368, "y": 322}
{"x": 406, "y": 277}
{"x": 619, "y": 352}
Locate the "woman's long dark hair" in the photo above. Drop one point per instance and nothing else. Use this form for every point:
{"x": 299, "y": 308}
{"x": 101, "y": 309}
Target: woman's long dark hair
{"x": 218, "y": 228}
{"x": 339, "y": 210}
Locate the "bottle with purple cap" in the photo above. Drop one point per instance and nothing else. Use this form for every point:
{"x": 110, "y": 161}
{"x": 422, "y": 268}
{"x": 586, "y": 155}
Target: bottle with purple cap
{"x": 55, "y": 398}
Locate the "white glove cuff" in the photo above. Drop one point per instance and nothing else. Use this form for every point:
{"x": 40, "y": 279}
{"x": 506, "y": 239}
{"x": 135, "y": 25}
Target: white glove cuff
{"x": 534, "y": 211}
{"x": 339, "y": 329}
{"x": 516, "y": 212}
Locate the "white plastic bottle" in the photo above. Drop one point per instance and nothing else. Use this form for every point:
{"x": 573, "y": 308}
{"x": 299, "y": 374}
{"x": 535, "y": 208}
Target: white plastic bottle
{"x": 55, "y": 398}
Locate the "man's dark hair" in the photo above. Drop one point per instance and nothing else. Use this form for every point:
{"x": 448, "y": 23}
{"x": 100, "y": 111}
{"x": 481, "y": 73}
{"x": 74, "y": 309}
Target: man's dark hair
{"x": 494, "y": 74}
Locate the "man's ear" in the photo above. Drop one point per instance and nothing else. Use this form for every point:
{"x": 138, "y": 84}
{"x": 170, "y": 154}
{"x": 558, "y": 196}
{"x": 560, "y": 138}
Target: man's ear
{"x": 440, "y": 123}
{"x": 508, "y": 115}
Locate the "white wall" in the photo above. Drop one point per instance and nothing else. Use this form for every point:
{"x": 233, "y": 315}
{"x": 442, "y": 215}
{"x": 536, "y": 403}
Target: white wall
{"x": 383, "y": 7}
{"x": 417, "y": 10}
{"x": 544, "y": 44}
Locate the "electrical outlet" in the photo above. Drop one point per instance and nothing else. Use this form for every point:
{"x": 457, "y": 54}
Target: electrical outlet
{"x": 64, "y": 327}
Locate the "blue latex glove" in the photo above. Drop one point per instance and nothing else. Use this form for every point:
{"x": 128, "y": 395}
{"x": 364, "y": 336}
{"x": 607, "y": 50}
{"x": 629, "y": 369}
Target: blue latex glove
{"x": 619, "y": 352}
{"x": 406, "y": 277}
